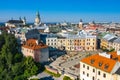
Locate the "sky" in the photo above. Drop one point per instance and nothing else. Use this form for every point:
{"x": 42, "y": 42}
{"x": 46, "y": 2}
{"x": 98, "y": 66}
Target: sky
{"x": 61, "y": 10}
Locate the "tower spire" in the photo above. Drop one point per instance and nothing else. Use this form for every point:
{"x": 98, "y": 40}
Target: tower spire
{"x": 81, "y": 24}
{"x": 37, "y": 19}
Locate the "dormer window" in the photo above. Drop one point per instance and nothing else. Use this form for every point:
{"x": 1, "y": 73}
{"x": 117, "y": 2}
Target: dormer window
{"x": 106, "y": 66}
{"x": 100, "y": 63}
{"x": 92, "y": 61}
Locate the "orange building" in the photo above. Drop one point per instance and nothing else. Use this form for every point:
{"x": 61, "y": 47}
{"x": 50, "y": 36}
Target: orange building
{"x": 102, "y": 66}
{"x": 35, "y": 49}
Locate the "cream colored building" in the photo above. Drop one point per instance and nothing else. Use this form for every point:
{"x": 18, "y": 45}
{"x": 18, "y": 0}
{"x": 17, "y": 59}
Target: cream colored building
{"x": 79, "y": 42}
{"x": 51, "y": 42}
{"x": 102, "y": 66}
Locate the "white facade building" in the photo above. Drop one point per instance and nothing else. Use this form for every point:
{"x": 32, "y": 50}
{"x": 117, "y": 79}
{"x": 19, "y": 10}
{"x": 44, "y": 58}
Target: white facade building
{"x": 102, "y": 66}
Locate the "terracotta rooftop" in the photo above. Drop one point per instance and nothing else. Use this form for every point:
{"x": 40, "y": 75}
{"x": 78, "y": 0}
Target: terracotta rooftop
{"x": 115, "y": 56}
{"x": 100, "y": 62}
{"x": 32, "y": 44}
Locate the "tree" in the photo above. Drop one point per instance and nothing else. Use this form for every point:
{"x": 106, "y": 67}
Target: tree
{"x": 30, "y": 67}
{"x": 13, "y": 66}
{"x": 66, "y": 78}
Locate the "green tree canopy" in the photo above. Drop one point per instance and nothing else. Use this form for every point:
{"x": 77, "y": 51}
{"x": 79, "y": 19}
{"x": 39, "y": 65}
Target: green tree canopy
{"x": 13, "y": 66}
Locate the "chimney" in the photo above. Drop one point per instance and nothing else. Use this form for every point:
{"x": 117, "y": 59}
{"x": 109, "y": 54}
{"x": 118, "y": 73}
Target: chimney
{"x": 118, "y": 52}
{"x": 104, "y": 54}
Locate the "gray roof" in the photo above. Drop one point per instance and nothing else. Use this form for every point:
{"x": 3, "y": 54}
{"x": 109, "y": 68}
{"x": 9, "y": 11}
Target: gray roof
{"x": 117, "y": 40}
{"x": 118, "y": 71}
{"x": 15, "y": 21}
{"x": 111, "y": 40}
{"x": 109, "y": 36}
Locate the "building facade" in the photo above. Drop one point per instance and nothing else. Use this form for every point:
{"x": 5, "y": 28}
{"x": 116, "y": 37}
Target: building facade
{"x": 100, "y": 66}
{"x": 104, "y": 41}
{"x": 79, "y": 42}
{"x": 16, "y": 23}
{"x": 37, "y": 50}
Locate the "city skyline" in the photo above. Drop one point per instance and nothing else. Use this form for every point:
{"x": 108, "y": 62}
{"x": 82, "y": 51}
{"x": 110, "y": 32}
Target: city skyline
{"x": 61, "y": 10}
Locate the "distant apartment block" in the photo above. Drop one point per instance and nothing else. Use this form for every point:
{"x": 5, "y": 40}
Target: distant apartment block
{"x": 16, "y": 23}
{"x": 110, "y": 41}
{"x": 81, "y": 41}
{"x": 23, "y": 34}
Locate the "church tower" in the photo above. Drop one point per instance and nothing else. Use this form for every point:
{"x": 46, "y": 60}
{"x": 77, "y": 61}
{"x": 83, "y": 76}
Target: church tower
{"x": 80, "y": 24}
{"x": 24, "y": 21}
{"x": 37, "y": 19}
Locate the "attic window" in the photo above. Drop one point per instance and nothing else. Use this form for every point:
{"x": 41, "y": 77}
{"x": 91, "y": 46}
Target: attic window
{"x": 100, "y": 63}
{"x": 106, "y": 66}
{"x": 92, "y": 61}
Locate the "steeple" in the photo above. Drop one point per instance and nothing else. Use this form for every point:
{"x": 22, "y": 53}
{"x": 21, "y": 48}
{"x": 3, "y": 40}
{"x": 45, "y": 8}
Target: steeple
{"x": 37, "y": 19}
{"x": 38, "y": 15}
{"x": 80, "y": 24}
{"x": 24, "y": 21}
{"x": 20, "y": 18}
{"x": 80, "y": 20}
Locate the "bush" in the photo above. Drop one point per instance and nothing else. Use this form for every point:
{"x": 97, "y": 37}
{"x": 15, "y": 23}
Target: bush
{"x": 53, "y": 74}
{"x": 67, "y": 78}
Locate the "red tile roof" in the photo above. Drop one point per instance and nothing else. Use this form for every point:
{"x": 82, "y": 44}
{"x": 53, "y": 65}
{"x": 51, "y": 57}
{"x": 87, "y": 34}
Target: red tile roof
{"x": 114, "y": 56}
{"x": 32, "y": 44}
{"x": 100, "y": 62}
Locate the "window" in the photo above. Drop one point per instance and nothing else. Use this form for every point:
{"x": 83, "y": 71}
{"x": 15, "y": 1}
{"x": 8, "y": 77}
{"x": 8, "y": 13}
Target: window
{"x": 98, "y": 72}
{"x": 93, "y": 70}
{"x": 87, "y": 67}
{"x": 83, "y": 72}
{"x": 93, "y": 78}
{"x": 87, "y": 75}
{"x": 104, "y": 75}
{"x": 83, "y": 66}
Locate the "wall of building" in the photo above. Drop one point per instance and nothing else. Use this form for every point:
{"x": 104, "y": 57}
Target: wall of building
{"x": 73, "y": 44}
{"x": 28, "y": 52}
{"x": 41, "y": 55}
{"x": 89, "y": 72}
{"x": 44, "y": 55}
